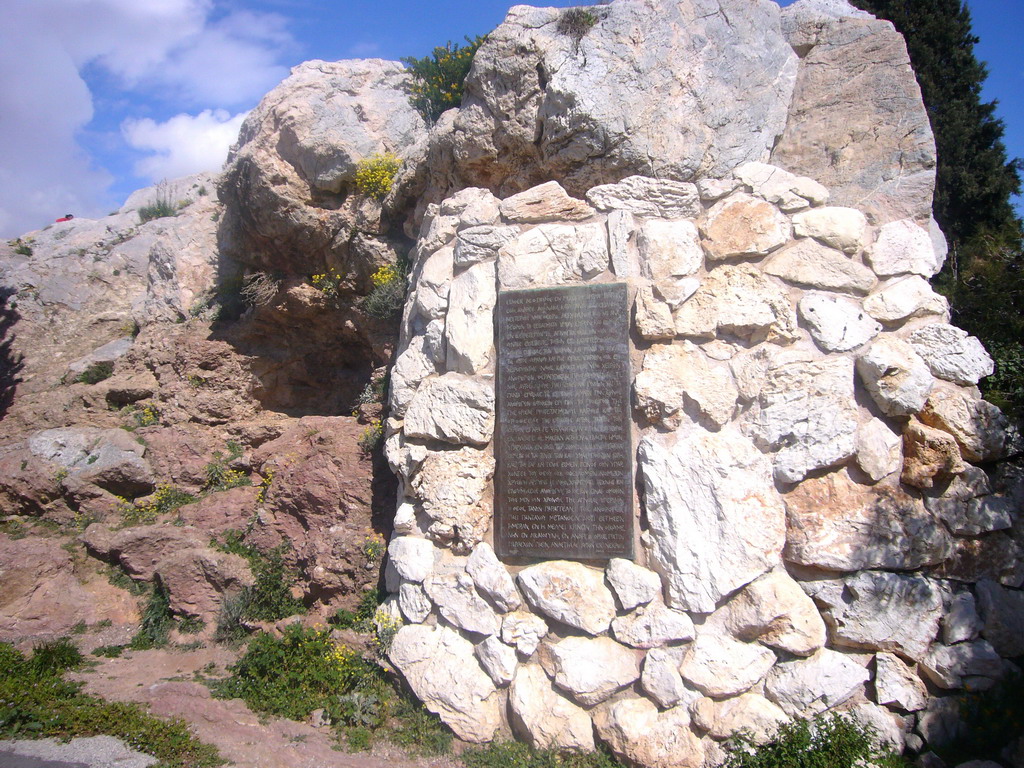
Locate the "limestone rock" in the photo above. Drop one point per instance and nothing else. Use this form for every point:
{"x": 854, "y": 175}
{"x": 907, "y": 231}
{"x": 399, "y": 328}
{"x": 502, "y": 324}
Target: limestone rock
{"x": 810, "y": 264}
{"x": 1002, "y": 610}
{"x": 451, "y": 487}
{"x": 715, "y": 189}
{"x": 443, "y": 672}
{"x": 807, "y": 416}
{"x": 742, "y": 225}
{"x": 975, "y": 516}
{"x": 644, "y": 196}
{"x": 978, "y": 426}
{"x": 838, "y": 524}
{"x": 836, "y": 324}
{"x": 652, "y": 625}
{"x": 940, "y": 722}
{"x": 481, "y": 243}
{"x": 951, "y": 354}
{"x": 808, "y": 686}
{"x": 994, "y": 556}
{"x": 882, "y": 611}
{"x": 661, "y": 680}
{"x": 621, "y": 228}
{"x": 413, "y": 559}
{"x": 545, "y": 718}
{"x": 652, "y": 315}
{"x": 637, "y": 733}
{"x": 632, "y": 584}
{"x": 453, "y": 592}
{"x": 750, "y": 712}
{"x": 414, "y": 603}
{"x": 497, "y": 659}
{"x": 842, "y": 228}
{"x": 721, "y": 666}
{"x": 677, "y": 374}
{"x": 786, "y": 190}
{"x": 523, "y": 630}
{"x": 669, "y": 249}
{"x": 774, "y": 611}
{"x": 739, "y": 300}
{"x": 411, "y": 367}
{"x": 469, "y": 327}
{"x": 948, "y": 665}
{"x": 906, "y": 298}
{"x": 716, "y": 520}
{"x": 431, "y": 280}
{"x": 879, "y": 449}
{"x": 896, "y": 376}
{"x": 553, "y": 254}
{"x": 929, "y": 455}
{"x": 887, "y": 726}
{"x": 902, "y": 247}
{"x": 109, "y": 458}
{"x": 590, "y": 669}
{"x": 961, "y": 621}
{"x": 570, "y": 593}
{"x": 545, "y": 202}
{"x": 453, "y": 408}
{"x": 492, "y": 578}
{"x": 897, "y": 684}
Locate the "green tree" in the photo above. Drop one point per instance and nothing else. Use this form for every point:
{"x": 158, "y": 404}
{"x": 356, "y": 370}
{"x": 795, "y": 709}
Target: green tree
{"x": 984, "y": 274}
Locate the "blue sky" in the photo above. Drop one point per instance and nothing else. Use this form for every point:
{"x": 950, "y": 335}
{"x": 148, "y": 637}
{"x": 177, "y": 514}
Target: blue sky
{"x": 101, "y": 97}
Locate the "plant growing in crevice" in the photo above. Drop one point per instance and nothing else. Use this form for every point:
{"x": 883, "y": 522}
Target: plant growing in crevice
{"x": 576, "y": 23}
{"x": 259, "y": 289}
{"x": 376, "y": 174}
{"x": 95, "y": 373}
{"x": 437, "y": 80}
{"x": 387, "y": 297}
{"x": 329, "y": 283}
{"x": 161, "y": 206}
{"x": 371, "y": 436}
{"x": 156, "y": 621}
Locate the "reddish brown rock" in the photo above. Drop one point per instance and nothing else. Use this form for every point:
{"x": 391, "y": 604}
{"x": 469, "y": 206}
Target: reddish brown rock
{"x": 197, "y": 580}
{"x": 929, "y": 455}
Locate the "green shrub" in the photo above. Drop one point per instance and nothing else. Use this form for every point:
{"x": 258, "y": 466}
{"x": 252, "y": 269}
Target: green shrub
{"x": 22, "y": 248}
{"x": 576, "y": 22}
{"x": 55, "y": 657}
{"x": 96, "y": 373}
{"x": 437, "y": 80}
{"x": 220, "y": 477}
{"x": 374, "y": 391}
{"x": 515, "y": 754}
{"x": 371, "y": 436}
{"x": 156, "y": 621}
{"x": 361, "y": 619}
{"x": 376, "y": 174}
{"x": 165, "y": 499}
{"x": 827, "y": 741}
{"x": 387, "y": 297}
{"x": 161, "y": 207}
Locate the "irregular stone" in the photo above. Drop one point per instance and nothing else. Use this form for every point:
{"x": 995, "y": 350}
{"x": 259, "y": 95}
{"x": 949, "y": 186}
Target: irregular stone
{"x": 896, "y": 377}
{"x": 896, "y": 684}
{"x": 677, "y": 374}
{"x": 590, "y": 669}
{"x": 109, "y": 458}
{"x": 436, "y": 230}
{"x": 632, "y": 584}
{"x": 675, "y": 292}
{"x": 887, "y": 727}
{"x": 431, "y": 282}
{"x": 139, "y": 549}
{"x": 837, "y": 524}
{"x": 453, "y": 408}
{"x": 197, "y": 581}
{"x": 929, "y": 455}
{"x": 481, "y": 243}
{"x": 715, "y": 189}
{"x": 742, "y": 225}
{"x": 443, "y": 672}
{"x": 995, "y": 556}
{"x": 621, "y": 227}
{"x": 411, "y": 367}
{"x": 906, "y": 298}
{"x": 413, "y": 559}
{"x": 553, "y": 254}
{"x": 451, "y": 486}
{"x": 807, "y": 416}
{"x": 497, "y": 659}
{"x": 810, "y": 264}
{"x": 637, "y": 733}
{"x": 570, "y": 593}
{"x": 644, "y": 196}
{"x": 978, "y": 426}
{"x": 652, "y": 625}
{"x": 404, "y": 458}
{"x": 786, "y": 190}
{"x": 836, "y": 324}
{"x": 842, "y": 228}
{"x": 738, "y": 300}
{"x": 414, "y": 603}
{"x": 903, "y": 247}
{"x": 808, "y": 686}
{"x": 750, "y": 712}
{"x": 961, "y": 621}
{"x": 652, "y": 315}
{"x": 976, "y": 516}
{"x": 1002, "y": 610}
{"x": 669, "y": 249}
{"x": 545, "y": 202}
{"x": 881, "y": 611}
{"x": 939, "y": 723}
{"x": 720, "y": 666}
{"x": 455, "y": 596}
{"x": 492, "y": 578}
{"x": 543, "y": 717}
{"x": 774, "y": 611}
{"x": 524, "y": 630}
{"x": 948, "y": 665}
{"x": 951, "y": 354}
{"x": 469, "y": 325}
{"x": 879, "y": 449}
{"x": 661, "y": 680}
{"x": 750, "y": 366}
{"x": 716, "y": 520}
{"x": 473, "y": 205}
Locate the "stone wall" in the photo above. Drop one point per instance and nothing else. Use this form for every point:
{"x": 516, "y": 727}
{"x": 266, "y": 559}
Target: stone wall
{"x": 813, "y": 532}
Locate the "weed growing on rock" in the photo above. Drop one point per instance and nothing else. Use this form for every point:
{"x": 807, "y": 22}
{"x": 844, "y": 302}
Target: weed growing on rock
{"x": 21, "y": 247}
{"x": 990, "y": 720}
{"x": 36, "y": 702}
{"x": 576, "y": 22}
{"x": 388, "y": 294}
{"x": 373, "y": 549}
{"x": 386, "y": 627}
{"x": 438, "y": 79}
{"x": 220, "y": 477}
{"x": 55, "y": 657}
{"x": 374, "y": 391}
{"x": 156, "y": 621}
{"x": 371, "y": 436}
{"x": 96, "y": 373}
{"x": 827, "y": 741}
{"x": 328, "y": 283}
{"x": 361, "y": 619}
{"x": 265, "y": 483}
{"x": 161, "y": 207}
{"x": 259, "y": 289}
{"x": 376, "y": 174}
{"x": 165, "y": 499}
{"x": 141, "y": 416}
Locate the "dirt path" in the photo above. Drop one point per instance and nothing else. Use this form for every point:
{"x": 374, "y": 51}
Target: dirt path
{"x": 167, "y": 681}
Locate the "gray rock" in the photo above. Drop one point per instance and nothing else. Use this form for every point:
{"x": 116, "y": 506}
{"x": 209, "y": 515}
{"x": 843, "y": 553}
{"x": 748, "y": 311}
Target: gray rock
{"x": 951, "y": 354}
{"x": 978, "y": 426}
{"x": 481, "y": 243}
{"x": 632, "y": 584}
{"x": 413, "y": 559}
{"x": 948, "y": 665}
{"x": 469, "y": 323}
{"x": 639, "y": 734}
{"x": 789, "y": 192}
{"x": 452, "y": 488}
{"x": 453, "y": 592}
{"x": 810, "y": 264}
{"x": 897, "y": 684}
{"x": 414, "y": 603}
{"x": 543, "y": 717}
{"x": 1002, "y": 610}
{"x": 497, "y": 659}
{"x": 807, "y": 686}
{"x": 961, "y": 621}
{"x": 545, "y": 202}
{"x": 644, "y": 196}
{"x": 842, "y": 228}
{"x": 661, "y": 680}
{"x": 109, "y": 458}
{"x": 453, "y": 408}
{"x": 902, "y": 247}
{"x": 553, "y": 254}
{"x": 904, "y": 299}
{"x": 669, "y": 249}
{"x": 897, "y": 378}
{"x": 523, "y": 630}
{"x": 750, "y": 712}
{"x": 721, "y": 666}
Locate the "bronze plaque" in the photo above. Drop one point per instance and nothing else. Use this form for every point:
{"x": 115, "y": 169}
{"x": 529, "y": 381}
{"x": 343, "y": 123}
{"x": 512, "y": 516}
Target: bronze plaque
{"x": 564, "y": 475}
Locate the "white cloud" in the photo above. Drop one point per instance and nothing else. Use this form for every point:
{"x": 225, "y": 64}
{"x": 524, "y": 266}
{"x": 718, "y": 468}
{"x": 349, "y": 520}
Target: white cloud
{"x": 184, "y": 144}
